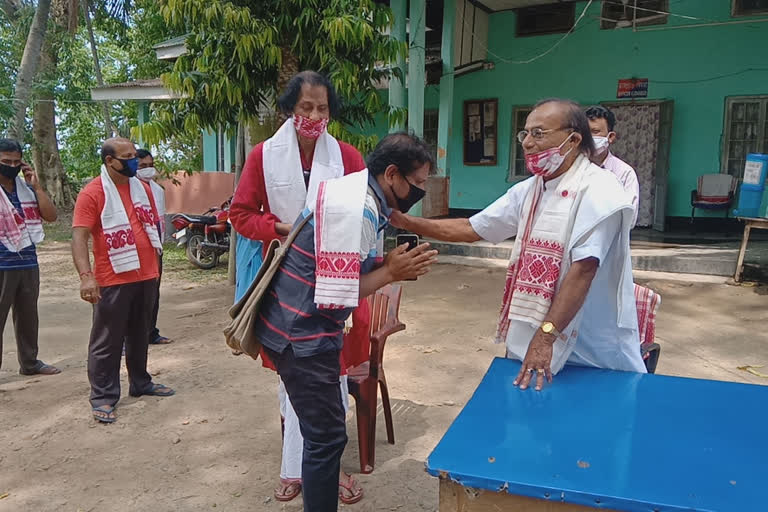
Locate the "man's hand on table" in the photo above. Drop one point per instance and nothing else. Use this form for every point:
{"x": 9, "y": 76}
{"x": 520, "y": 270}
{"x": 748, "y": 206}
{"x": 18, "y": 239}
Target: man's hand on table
{"x": 537, "y": 361}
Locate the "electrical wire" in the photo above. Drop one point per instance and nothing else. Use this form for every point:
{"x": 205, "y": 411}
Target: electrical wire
{"x": 668, "y": 13}
{"x": 537, "y": 57}
{"x": 702, "y": 80}
{"x": 57, "y": 101}
{"x": 572, "y": 30}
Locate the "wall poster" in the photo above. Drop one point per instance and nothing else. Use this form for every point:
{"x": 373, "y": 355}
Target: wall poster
{"x": 480, "y": 132}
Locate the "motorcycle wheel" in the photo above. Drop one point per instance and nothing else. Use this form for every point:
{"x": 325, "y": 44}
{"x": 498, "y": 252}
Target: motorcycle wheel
{"x": 199, "y": 256}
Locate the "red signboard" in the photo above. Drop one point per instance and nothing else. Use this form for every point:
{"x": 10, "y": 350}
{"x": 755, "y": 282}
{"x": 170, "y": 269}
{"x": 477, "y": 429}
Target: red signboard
{"x": 632, "y": 88}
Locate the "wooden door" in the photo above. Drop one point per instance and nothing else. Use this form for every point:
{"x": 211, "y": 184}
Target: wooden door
{"x": 643, "y": 131}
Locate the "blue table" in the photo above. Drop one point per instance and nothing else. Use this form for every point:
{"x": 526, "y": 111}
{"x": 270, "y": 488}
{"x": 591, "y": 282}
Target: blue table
{"x": 605, "y": 439}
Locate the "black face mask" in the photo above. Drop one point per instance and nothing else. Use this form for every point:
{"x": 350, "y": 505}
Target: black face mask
{"x": 9, "y": 171}
{"x": 130, "y": 166}
{"x": 415, "y": 194}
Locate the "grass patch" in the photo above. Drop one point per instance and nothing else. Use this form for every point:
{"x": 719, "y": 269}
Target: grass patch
{"x": 175, "y": 262}
{"x": 59, "y": 231}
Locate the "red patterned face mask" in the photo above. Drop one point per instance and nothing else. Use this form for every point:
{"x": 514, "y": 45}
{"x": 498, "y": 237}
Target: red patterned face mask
{"x": 309, "y": 128}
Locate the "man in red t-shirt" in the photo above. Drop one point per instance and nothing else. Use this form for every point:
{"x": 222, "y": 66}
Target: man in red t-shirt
{"x": 118, "y": 211}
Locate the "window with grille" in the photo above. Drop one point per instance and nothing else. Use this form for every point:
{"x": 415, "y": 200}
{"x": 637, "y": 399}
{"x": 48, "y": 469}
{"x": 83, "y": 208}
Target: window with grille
{"x": 745, "y": 131}
{"x": 628, "y": 13}
{"x": 516, "y": 157}
{"x": 545, "y": 19}
{"x": 749, "y": 7}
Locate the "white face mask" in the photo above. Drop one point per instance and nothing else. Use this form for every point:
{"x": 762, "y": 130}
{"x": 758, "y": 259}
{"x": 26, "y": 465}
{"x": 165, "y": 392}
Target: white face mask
{"x": 147, "y": 173}
{"x": 601, "y": 144}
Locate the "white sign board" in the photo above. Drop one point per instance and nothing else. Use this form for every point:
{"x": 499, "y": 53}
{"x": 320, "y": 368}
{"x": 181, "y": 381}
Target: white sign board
{"x": 752, "y": 172}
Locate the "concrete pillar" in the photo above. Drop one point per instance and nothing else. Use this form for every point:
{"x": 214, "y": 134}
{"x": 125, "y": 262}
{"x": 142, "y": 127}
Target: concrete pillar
{"x": 397, "y": 86}
{"x": 210, "y": 151}
{"x": 445, "y": 116}
{"x": 416, "y": 71}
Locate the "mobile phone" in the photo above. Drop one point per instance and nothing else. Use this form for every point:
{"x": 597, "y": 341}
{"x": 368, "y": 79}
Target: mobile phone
{"x": 411, "y": 240}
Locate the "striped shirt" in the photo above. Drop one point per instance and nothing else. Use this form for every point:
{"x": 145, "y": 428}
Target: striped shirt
{"x": 27, "y": 257}
{"x": 288, "y": 313}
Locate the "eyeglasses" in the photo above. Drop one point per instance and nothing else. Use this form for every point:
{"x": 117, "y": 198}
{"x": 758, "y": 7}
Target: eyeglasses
{"x": 537, "y": 133}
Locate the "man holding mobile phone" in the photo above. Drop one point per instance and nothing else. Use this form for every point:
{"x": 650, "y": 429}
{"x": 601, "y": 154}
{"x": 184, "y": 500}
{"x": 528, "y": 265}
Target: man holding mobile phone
{"x": 335, "y": 260}
{"x": 23, "y": 206}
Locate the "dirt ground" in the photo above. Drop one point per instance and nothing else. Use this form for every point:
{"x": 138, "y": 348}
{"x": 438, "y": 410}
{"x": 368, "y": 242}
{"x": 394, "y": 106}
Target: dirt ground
{"x": 216, "y": 444}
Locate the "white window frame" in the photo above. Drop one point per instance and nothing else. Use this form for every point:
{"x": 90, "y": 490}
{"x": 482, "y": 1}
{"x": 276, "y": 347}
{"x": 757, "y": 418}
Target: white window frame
{"x": 515, "y": 147}
{"x": 736, "y": 14}
{"x": 762, "y": 145}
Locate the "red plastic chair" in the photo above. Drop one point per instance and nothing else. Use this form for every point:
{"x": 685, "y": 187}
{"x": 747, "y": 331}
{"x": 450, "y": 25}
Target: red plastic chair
{"x": 713, "y": 192}
{"x": 365, "y": 379}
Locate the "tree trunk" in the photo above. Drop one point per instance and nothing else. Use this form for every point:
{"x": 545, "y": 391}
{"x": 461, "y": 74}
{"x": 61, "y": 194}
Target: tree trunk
{"x": 45, "y": 150}
{"x": 97, "y": 67}
{"x": 11, "y": 8}
{"x": 30, "y": 61}
{"x": 288, "y": 69}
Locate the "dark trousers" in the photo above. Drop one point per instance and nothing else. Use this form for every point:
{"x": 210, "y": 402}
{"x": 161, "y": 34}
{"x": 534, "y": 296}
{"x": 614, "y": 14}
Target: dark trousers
{"x": 122, "y": 314}
{"x": 312, "y": 384}
{"x": 154, "y": 332}
{"x": 19, "y": 289}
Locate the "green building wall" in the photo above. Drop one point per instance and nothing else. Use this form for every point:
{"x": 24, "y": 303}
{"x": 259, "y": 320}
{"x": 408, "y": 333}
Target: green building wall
{"x": 697, "y": 68}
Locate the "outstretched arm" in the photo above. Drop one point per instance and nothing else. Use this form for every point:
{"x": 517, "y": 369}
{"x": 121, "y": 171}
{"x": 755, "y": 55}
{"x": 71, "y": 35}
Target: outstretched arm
{"x": 449, "y": 230}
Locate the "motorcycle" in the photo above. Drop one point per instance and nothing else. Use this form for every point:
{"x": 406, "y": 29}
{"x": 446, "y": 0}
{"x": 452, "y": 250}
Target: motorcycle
{"x": 205, "y": 236}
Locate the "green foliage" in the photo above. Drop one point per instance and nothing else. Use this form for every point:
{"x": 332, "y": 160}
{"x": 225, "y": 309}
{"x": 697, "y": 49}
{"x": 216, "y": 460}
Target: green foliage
{"x": 148, "y": 29}
{"x": 125, "y": 53}
{"x": 80, "y": 126}
{"x": 12, "y": 38}
{"x": 236, "y": 50}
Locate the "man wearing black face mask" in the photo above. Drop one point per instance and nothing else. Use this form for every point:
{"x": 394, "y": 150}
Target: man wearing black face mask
{"x": 118, "y": 211}
{"x": 23, "y": 206}
{"x": 334, "y": 261}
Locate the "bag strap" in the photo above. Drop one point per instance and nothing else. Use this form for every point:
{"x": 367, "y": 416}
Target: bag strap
{"x": 293, "y": 234}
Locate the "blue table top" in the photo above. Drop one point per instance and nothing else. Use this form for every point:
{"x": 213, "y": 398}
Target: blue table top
{"x": 615, "y": 440}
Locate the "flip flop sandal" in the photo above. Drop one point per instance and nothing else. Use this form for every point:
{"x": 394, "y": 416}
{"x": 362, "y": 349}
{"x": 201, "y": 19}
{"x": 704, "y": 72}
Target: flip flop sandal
{"x": 350, "y": 486}
{"x": 155, "y": 391}
{"x": 289, "y": 483}
{"x": 103, "y": 409}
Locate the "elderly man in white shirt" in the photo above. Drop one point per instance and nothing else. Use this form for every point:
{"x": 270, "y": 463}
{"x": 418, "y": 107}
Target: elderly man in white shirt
{"x": 602, "y": 123}
{"x": 569, "y": 295}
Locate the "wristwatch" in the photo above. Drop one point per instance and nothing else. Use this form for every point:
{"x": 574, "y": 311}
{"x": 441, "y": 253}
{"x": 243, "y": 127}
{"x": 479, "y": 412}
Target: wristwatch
{"x": 549, "y": 328}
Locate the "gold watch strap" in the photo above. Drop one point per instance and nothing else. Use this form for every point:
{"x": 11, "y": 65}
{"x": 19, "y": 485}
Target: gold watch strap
{"x": 554, "y": 332}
